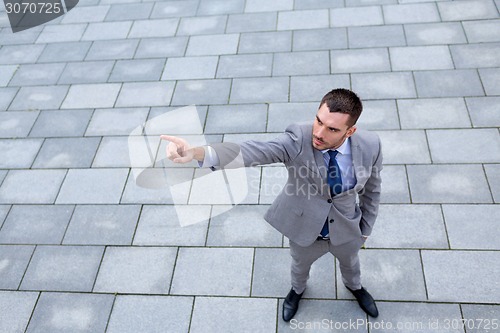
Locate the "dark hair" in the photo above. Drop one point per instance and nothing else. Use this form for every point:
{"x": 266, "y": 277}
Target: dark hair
{"x": 344, "y": 101}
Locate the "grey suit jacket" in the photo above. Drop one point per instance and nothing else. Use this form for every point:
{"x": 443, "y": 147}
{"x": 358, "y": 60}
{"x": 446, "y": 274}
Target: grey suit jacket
{"x": 304, "y": 204}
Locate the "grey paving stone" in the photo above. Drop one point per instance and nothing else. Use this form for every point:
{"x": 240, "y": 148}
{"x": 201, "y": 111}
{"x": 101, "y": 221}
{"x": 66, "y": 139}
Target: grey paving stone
{"x": 154, "y": 28}
{"x": 493, "y": 175}
{"x": 33, "y": 98}
{"x": 161, "y": 47}
{"x": 116, "y": 151}
{"x": 201, "y": 92}
{"x": 6, "y": 97}
{"x": 303, "y": 19}
{"x": 4, "y": 209}
{"x": 150, "y": 314}
{"x": 22, "y": 37}
{"x": 107, "y": 30}
{"x": 213, "y": 271}
{"x": 118, "y": 121}
{"x": 411, "y": 13}
{"x": 376, "y": 36}
{"x": 266, "y": 6}
{"x": 233, "y": 119}
{"x": 448, "y": 83}
{"x": 292, "y": 112}
{"x": 171, "y": 186}
{"x": 472, "y": 226}
{"x": 67, "y": 153}
{"x": 129, "y": 11}
{"x": 203, "y": 25}
{"x": 31, "y": 186}
{"x": 6, "y": 73}
{"x": 102, "y": 225}
{"x": 395, "y": 185}
{"x": 355, "y": 3}
{"x": 263, "y": 42}
{"x": 435, "y": 33}
{"x": 320, "y": 39}
{"x": 36, "y": 224}
{"x": 16, "y": 124}
{"x": 301, "y": 63}
{"x": 379, "y": 115}
{"x": 449, "y": 276}
{"x": 222, "y": 314}
{"x": 475, "y": 55}
{"x": 60, "y": 312}
{"x": 145, "y": 94}
{"x": 480, "y": 317}
{"x": 385, "y": 271}
{"x": 39, "y": 74}
{"x": 213, "y": 44}
{"x": 356, "y": 16}
{"x": 482, "y": 31}
{"x": 17, "y": 308}
{"x": 174, "y": 9}
{"x": 416, "y": 58}
{"x": 87, "y": 186}
{"x": 98, "y": 95}
{"x": 61, "y": 33}
{"x": 243, "y": 225}
{"x": 331, "y": 315}
{"x": 491, "y": 80}
{"x": 448, "y": 184}
{"x": 409, "y": 226}
{"x": 313, "y": 88}
{"x": 63, "y": 268}
{"x": 112, "y": 49}
{"x": 312, "y": 4}
{"x": 251, "y": 22}
{"x": 190, "y": 68}
{"x": 271, "y": 277}
{"x": 20, "y": 54}
{"x": 464, "y": 145}
{"x": 482, "y": 111}
{"x": 70, "y": 51}
{"x": 15, "y": 259}
{"x": 365, "y": 60}
{"x": 87, "y": 72}
{"x": 217, "y": 7}
{"x": 53, "y": 123}
{"x": 144, "y": 270}
{"x": 384, "y": 85}
{"x": 85, "y": 14}
{"x": 467, "y": 10}
{"x": 245, "y": 65}
{"x": 433, "y": 113}
{"x": 137, "y": 70}
{"x": 415, "y": 317}
{"x": 260, "y": 90}
{"x": 187, "y": 120}
{"x": 159, "y": 225}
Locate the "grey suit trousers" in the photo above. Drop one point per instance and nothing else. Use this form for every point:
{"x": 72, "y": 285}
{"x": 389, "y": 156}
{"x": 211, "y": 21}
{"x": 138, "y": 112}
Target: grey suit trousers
{"x": 347, "y": 255}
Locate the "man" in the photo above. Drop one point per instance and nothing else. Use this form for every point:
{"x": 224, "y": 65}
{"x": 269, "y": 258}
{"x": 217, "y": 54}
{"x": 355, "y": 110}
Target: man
{"x": 330, "y": 165}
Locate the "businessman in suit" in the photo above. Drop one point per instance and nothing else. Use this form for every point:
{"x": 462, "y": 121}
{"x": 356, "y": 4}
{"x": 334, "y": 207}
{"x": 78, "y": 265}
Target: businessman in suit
{"x": 331, "y": 198}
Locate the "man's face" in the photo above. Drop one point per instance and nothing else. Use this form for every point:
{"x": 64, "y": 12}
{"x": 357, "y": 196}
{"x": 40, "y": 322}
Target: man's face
{"x": 330, "y": 129}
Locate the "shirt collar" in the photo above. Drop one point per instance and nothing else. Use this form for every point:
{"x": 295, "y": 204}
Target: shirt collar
{"x": 344, "y": 149}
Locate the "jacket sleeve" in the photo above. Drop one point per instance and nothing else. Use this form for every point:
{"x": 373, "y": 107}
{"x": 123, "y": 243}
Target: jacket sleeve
{"x": 369, "y": 199}
{"x": 286, "y": 147}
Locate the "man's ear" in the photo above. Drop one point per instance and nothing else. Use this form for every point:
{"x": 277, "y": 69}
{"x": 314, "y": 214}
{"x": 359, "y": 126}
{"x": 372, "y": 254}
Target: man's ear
{"x": 351, "y": 130}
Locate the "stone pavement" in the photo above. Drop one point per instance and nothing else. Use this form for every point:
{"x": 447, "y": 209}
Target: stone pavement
{"x": 84, "y": 249}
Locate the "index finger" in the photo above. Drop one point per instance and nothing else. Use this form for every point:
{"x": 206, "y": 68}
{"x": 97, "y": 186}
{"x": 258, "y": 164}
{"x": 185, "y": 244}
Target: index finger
{"x": 171, "y": 138}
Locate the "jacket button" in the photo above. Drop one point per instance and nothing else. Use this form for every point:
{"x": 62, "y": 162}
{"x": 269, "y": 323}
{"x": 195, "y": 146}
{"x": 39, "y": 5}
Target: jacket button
{"x": 329, "y": 200}
{"x": 331, "y": 221}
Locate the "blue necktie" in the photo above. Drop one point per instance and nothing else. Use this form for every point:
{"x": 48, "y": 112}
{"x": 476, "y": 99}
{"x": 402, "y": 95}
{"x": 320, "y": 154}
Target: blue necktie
{"x": 334, "y": 179}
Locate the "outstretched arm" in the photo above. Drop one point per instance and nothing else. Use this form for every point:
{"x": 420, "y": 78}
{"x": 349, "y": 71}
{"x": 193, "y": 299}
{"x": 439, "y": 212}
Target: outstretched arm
{"x": 180, "y": 151}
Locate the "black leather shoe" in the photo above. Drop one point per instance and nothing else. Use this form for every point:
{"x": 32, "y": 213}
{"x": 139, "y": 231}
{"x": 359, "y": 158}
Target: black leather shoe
{"x": 365, "y": 301}
{"x": 291, "y": 305}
